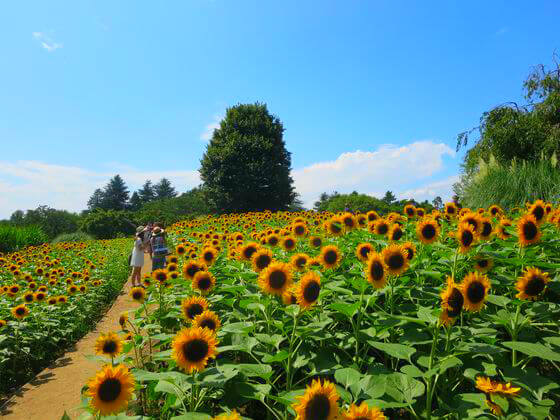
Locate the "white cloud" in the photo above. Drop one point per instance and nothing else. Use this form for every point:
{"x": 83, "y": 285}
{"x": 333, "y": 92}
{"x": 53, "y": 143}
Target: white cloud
{"x": 28, "y": 184}
{"x": 442, "y": 188}
{"x": 206, "y": 135}
{"x": 387, "y": 168}
{"x": 46, "y": 42}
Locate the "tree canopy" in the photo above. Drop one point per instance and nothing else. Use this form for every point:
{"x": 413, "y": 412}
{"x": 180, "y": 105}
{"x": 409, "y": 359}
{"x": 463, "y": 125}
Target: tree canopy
{"x": 246, "y": 166}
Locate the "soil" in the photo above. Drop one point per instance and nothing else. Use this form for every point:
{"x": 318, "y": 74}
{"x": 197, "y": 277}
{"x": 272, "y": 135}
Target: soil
{"x": 57, "y": 389}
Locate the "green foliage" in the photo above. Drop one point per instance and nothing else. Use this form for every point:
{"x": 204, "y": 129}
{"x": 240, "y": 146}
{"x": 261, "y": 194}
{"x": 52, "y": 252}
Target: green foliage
{"x": 361, "y": 202}
{"x": 113, "y": 197}
{"x": 53, "y": 222}
{"x": 246, "y": 166}
{"x": 190, "y": 204}
{"x": 13, "y": 238}
{"x": 107, "y": 224}
{"x": 510, "y": 185}
{"x": 72, "y": 237}
{"x": 163, "y": 189}
{"x": 511, "y": 131}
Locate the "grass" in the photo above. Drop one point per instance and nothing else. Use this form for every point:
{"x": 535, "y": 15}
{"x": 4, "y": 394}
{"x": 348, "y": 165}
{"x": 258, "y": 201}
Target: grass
{"x": 14, "y": 238}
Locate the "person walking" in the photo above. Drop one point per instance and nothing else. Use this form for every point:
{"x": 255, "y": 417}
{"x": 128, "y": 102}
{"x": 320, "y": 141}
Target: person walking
{"x": 137, "y": 257}
{"x": 159, "y": 248}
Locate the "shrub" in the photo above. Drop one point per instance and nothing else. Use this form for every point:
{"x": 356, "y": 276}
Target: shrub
{"x": 13, "y": 238}
{"x": 510, "y": 186}
{"x": 73, "y": 237}
{"x": 107, "y": 224}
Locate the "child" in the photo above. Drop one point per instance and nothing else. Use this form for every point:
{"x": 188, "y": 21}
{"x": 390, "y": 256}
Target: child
{"x": 137, "y": 257}
{"x": 159, "y": 248}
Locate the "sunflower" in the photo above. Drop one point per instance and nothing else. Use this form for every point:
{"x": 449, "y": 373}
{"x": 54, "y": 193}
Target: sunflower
{"x": 191, "y": 268}
{"x": 261, "y": 259}
{"x": 307, "y": 290}
{"x": 330, "y": 256}
{"x": 376, "y": 271}
{"x": 466, "y": 235}
{"x": 475, "y": 287}
{"x": 528, "y": 230}
{"x": 52, "y": 300}
{"x": 62, "y": 299}
{"x": 3, "y": 323}
{"x": 315, "y": 241}
{"x": 227, "y": 416}
{"x": 19, "y": 312}
{"x": 289, "y": 243}
{"x": 28, "y": 297}
{"x": 123, "y": 319}
{"x": 39, "y": 296}
{"x": 486, "y": 229}
{"x": 395, "y": 232}
{"x": 349, "y": 221}
{"x": 495, "y": 210}
{"x": 395, "y": 259}
{"x": 501, "y": 229}
{"x": 494, "y": 408}
{"x": 410, "y": 211}
{"x": 173, "y": 259}
{"x": 192, "y": 347}
{"x": 538, "y": 210}
{"x": 483, "y": 264}
{"x": 299, "y": 261}
{"x": 203, "y": 281}
{"x": 299, "y": 229}
{"x": 363, "y": 251}
{"x": 452, "y": 301}
{"x": 363, "y": 412}
{"x": 276, "y": 278}
{"x": 193, "y": 306}
{"x": 180, "y": 249}
{"x": 334, "y": 226}
{"x": 319, "y": 402}
{"x": 427, "y": 230}
{"x": 473, "y": 219}
{"x": 272, "y": 240}
{"x": 372, "y": 215}
{"x": 108, "y": 345}
{"x": 488, "y": 386}
{"x": 410, "y": 249}
{"x": 171, "y": 267}
{"x": 531, "y": 284}
{"x": 379, "y": 227}
{"x": 160, "y": 275}
{"x": 207, "y": 319}
{"x": 247, "y": 251}
{"x": 138, "y": 294}
{"x": 111, "y": 389}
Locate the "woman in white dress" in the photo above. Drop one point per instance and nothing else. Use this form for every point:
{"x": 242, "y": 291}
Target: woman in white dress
{"x": 137, "y": 257}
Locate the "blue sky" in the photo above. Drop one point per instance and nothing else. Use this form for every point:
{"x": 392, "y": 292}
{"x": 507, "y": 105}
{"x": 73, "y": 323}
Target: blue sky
{"x": 372, "y": 93}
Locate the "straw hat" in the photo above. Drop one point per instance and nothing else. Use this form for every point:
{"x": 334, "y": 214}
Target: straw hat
{"x": 140, "y": 229}
{"x": 157, "y": 230}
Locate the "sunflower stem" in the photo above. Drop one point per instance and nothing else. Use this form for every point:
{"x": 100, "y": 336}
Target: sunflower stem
{"x": 289, "y": 372}
{"x": 431, "y": 382}
{"x": 515, "y": 330}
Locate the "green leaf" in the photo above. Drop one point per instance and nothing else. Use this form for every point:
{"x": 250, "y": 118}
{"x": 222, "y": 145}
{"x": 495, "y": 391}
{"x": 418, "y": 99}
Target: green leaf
{"x": 278, "y": 357}
{"x": 498, "y": 300}
{"x": 192, "y": 416}
{"x": 374, "y": 386}
{"x": 348, "y": 378}
{"x": 345, "y": 308}
{"x": 407, "y": 388}
{"x": 398, "y": 351}
{"x": 533, "y": 350}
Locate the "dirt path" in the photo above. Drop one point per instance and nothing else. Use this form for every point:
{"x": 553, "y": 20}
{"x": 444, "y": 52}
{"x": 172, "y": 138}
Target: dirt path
{"x": 57, "y": 388}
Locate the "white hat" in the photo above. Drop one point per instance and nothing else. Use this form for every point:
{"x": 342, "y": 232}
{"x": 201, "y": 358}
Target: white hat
{"x": 140, "y": 229}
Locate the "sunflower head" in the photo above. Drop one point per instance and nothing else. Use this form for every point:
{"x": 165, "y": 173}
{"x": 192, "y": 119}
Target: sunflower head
{"x": 320, "y": 402}
{"x": 161, "y": 275}
{"x": 138, "y": 294}
{"x": 193, "y": 306}
{"x": 538, "y": 211}
{"x": 19, "y": 312}
{"x": 192, "y": 347}
{"x": 363, "y": 251}
{"x": 395, "y": 232}
{"x": 276, "y": 278}
{"x": 349, "y": 221}
{"x": 376, "y": 270}
{"x": 427, "y": 230}
{"x": 363, "y": 412}
{"x": 299, "y": 229}
{"x": 261, "y": 259}
{"x": 192, "y": 267}
{"x": 307, "y": 290}
{"x": 123, "y": 319}
{"x": 531, "y": 284}
{"x": 528, "y": 230}
{"x": 395, "y": 258}
{"x": 289, "y": 243}
{"x": 475, "y": 287}
{"x": 489, "y": 387}
{"x": 203, "y": 281}
{"x": 379, "y": 227}
{"x": 466, "y": 236}
{"x": 334, "y": 226}
{"x": 330, "y": 256}
{"x": 452, "y": 301}
{"x": 299, "y": 261}
{"x": 315, "y": 241}
{"x": 207, "y": 319}
{"x": 483, "y": 264}
{"x": 410, "y": 249}
{"x": 111, "y": 389}
{"x": 109, "y": 345}
{"x": 247, "y": 251}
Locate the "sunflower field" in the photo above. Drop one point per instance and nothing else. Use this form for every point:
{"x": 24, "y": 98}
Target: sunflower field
{"x": 448, "y": 315}
{"x": 51, "y": 295}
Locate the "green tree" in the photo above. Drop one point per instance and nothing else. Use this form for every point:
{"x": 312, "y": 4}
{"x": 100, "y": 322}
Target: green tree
{"x": 96, "y": 200}
{"x": 52, "y": 222}
{"x": 389, "y": 197}
{"x": 135, "y": 201}
{"x": 437, "y": 202}
{"x": 147, "y": 193}
{"x": 164, "y": 189}
{"x": 115, "y": 194}
{"x": 246, "y": 166}
{"x": 107, "y": 224}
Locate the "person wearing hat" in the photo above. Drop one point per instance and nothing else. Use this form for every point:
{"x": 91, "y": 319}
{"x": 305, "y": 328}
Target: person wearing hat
{"x": 137, "y": 257}
{"x": 159, "y": 248}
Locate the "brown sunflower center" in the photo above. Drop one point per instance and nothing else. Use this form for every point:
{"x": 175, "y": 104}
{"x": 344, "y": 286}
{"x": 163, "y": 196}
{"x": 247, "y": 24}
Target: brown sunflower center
{"x": 161, "y": 277}
{"x": 530, "y": 230}
{"x": 475, "y": 292}
{"x": 364, "y": 251}
{"x": 289, "y": 243}
{"x": 204, "y": 283}
{"x": 195, "y": 350}
{"x": 335, "y": 228}
{"x": 300, "y": 262}
{"x": 208, "y": 323}
{"x": 348, "y": 222}
{"x": 109, "y": 390}
{"x": 299, "y": 230}
{"x": 273, "y": 240}
{"x": 263, "y": 261}
{"x": 28, "y": 298}
{"x": 410, "y": 212}
{"x": 486, "y": 228}
{"x": 330, "y": 257}
{"x": 208, "y": 256}
{"x": 376, "y": 270}
{"x": 277, "y": 279}
{"x": 395, "y": 261}
{"x": 194, "y": 310}
{"x": 535, "y": 285}
{"x": 429, "y": 231}
{"x": 397, "y": 234}
{"x": 483, "y": 263}
{"x": 249, "y": 251}
{"x": 538, "y": 212}
{"x": 467, "y": 238}
{"x": 410, "y": 253}
{"x": 455, "y": 302}
{"x": 137, "y": 295}
{"x": 311, "y": 291}
{"x": 192, "y": 270}
{"x": 20, "y": 311}
{"x": 382, "y": 228}
{"x": 318, "y": 408}
{"x": 317, "y": 241}
{"x": 109, "y": 346}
